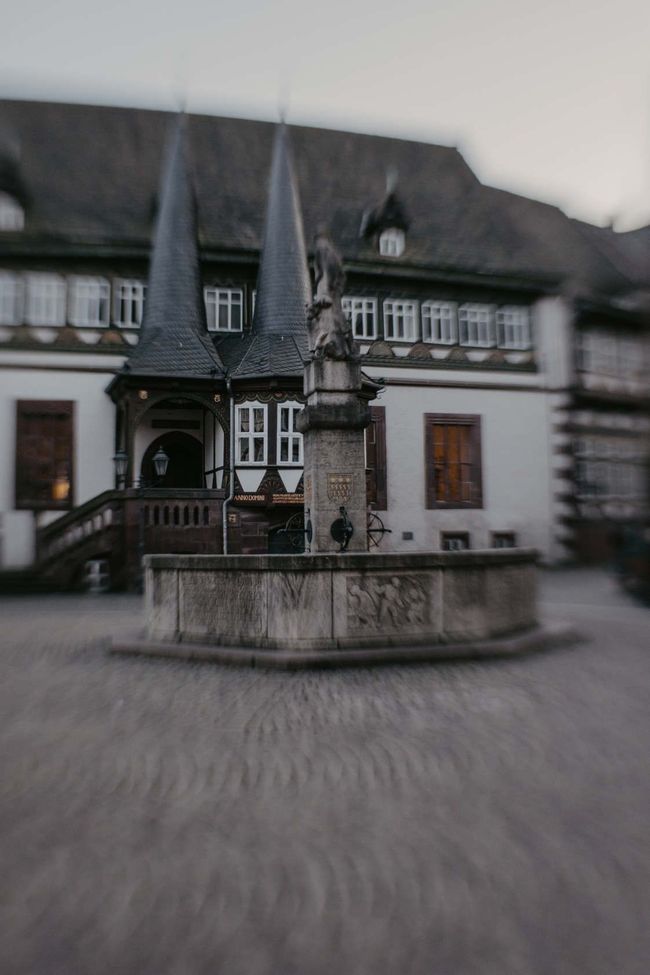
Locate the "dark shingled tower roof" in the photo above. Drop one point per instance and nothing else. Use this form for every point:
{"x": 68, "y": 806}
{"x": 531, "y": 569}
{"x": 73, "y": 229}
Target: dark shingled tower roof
{"x": 278, "y": 344}
{"x": 283, "y": 285}
{"x": 173, "y": 337}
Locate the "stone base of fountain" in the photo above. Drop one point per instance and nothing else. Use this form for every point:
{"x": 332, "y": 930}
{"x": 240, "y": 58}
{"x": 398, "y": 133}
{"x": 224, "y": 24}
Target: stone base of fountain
{"x": 329, "y": 610}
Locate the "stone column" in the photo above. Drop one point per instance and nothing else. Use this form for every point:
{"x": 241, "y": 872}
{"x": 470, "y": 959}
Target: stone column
{"x": 333, "y": 424}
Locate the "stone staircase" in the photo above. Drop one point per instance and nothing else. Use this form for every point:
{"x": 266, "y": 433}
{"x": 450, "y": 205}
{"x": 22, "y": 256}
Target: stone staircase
{"x": 106, "y": 537}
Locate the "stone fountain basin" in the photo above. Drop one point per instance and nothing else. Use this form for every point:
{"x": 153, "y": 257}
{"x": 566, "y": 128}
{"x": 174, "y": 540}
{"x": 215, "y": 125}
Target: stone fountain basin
{"x": 307, "y": 603}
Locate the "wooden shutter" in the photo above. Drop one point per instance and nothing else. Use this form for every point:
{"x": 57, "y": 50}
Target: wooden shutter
{"x": 452, "y": 456}
{"x": 44, "y": 454}
{"x": 376, "y": 474}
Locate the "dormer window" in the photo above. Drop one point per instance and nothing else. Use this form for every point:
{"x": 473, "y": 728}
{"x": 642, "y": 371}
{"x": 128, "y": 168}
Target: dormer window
{"x": 392, "y": 242}
{"x": 12, "y": 215}
{"x": 224, "y": 309}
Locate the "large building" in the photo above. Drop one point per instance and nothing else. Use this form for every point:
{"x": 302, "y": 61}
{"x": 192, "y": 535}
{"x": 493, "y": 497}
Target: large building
{"x": 153, "y": 285}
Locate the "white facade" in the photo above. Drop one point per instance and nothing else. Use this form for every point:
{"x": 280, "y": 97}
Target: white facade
{"x": 48, "y": 376}
{"x": 516, "y": 487}
{"x": 518, "y": 411}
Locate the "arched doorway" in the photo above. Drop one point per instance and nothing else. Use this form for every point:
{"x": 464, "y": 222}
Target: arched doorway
{"x": 185, "y": 468}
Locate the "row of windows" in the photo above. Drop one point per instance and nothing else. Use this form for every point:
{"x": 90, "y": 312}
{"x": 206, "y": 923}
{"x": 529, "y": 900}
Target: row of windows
{"x": 460, "y": 541}
{"x": 602, "y": 478}
{"x": 48, "y": 299}
{"x": 609, "y": 467}
{"x": 613, "y": 448}
{"x": 442, "y": 322}
{"x": 612, "y": 355}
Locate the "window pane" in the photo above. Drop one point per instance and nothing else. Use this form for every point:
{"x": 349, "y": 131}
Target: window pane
{"x": 258, "y": 416}
{"x": 244, "y": 420}
{"x": 244, "y": 449}
{"x": 258, "y": 447}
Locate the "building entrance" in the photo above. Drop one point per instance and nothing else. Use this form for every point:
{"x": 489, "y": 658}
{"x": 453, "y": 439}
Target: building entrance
{"x": 185, "y": 468}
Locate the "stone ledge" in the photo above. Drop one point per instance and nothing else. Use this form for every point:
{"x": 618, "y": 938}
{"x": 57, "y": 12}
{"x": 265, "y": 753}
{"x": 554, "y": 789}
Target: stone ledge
{"x": 532, "y": 640}
{"x": 367, "y": 561}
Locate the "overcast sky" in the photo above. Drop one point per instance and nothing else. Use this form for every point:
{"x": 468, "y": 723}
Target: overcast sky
{"x": 548, "y": 99}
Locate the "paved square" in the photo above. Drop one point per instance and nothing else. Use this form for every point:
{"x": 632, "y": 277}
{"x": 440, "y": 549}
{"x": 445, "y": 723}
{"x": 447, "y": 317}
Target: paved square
{"x": 163, "y": 818}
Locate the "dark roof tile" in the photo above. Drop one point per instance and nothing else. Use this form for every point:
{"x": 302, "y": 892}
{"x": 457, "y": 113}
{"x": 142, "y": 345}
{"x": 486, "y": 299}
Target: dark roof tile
{"x": 173, "y": 337}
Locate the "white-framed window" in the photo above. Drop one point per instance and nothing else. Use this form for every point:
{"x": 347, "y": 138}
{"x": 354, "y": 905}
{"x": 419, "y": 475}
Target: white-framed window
{"x": 251, "y": 433}
{"x": 289, "y": 445}
{"x": 12, "y": 215}
{"x": 45, "y": 299}
{"x": 476, "y": 325}
{"x": 439, "y": 322}
{"x": 400, "y": 320}
{"x": 224, "y": 309}
{"x": 392, "y": 242}
{"x": 128, "y": 303}
{"x": 11, "y": 295}
{"x": 362, "y": 314}
{"x": 513, "y": 327}
{"x": 89, "y": 301}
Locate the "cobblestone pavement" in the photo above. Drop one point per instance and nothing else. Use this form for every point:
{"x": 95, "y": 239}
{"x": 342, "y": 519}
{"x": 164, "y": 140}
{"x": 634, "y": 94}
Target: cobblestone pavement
{"x": 164, "y": 818}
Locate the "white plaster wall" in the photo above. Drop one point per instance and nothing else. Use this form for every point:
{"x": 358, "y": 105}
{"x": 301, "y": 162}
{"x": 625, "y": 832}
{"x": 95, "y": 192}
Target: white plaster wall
{"x": 94, "y": 425}
{"x": 552, "y": 332}
{"x": 515, "y": 464}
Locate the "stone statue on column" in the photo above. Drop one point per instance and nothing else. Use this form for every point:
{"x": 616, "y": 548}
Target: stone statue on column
{"x": 335, "y": 416}
{"x": 330, "y": 332}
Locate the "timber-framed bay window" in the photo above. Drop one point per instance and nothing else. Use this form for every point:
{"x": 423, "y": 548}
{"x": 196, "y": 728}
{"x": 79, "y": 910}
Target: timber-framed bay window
{"x": 439, "y": 322}
{"x": 44, "y": 454}
{"x": 362, "y": 314}
{"x": 476, "y": 325}
{"x": 452, "y": 450}
{"x": 251, "y": 433}
{"x": 89, "y": 301}
{"x": 289, "y": 442}
{"x": 224, "y": 309}
{"x": 128, "y": 303}
{"x": 401, "y": 320}
{"x": 45, "y": 299}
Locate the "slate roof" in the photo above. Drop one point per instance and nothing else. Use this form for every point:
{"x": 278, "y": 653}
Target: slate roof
{"x": 254, "y": 355}
{"x": 278, "y": 344}
{"x": 173, "y": 336}
{"x": 91, "y": 174}
{"x": 283, "y": 283}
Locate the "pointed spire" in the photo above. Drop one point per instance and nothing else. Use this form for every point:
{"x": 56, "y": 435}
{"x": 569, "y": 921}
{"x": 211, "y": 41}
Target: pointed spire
{"x": 283, "y": 284}
{"x": 173, "y": 336}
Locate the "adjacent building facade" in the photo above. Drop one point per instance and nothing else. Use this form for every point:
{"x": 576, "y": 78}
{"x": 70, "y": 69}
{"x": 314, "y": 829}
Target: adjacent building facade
{"x": 153, "y": 286}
